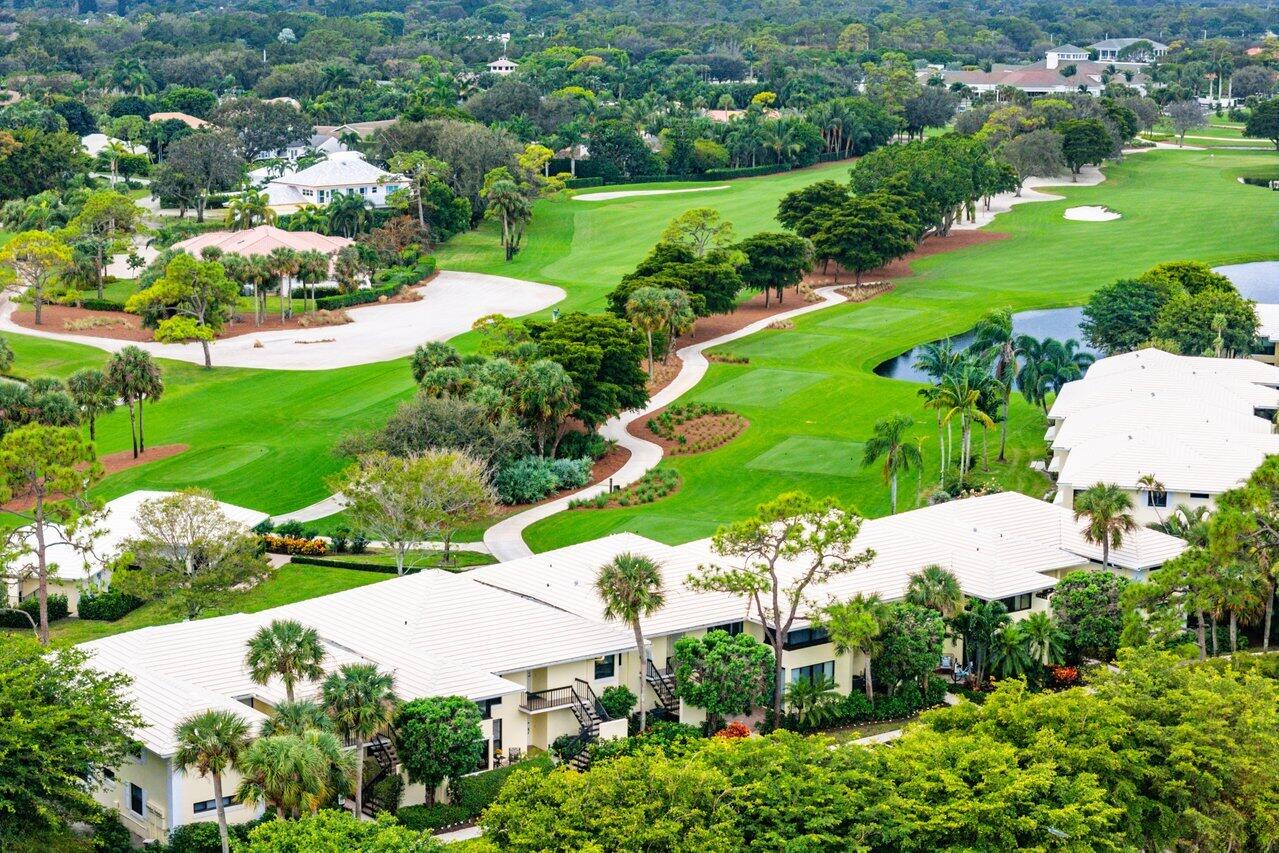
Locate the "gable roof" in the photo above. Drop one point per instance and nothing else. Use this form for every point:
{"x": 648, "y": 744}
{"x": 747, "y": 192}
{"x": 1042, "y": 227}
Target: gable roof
{"x": 339, "y": 169}
{"x": 261, "y": 240}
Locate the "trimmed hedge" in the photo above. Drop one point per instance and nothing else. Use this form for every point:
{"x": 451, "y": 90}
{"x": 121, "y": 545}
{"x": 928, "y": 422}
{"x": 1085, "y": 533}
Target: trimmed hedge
{"x": 107, "y": 606}
{"x": 58, "y": 609}
{"x": 95, "y": 304}
{"x": 856, "y": 708}
{"x": 708, "y": 175}
{"x": 419, "y": 818}
{"x": 354, "y": 565}
{"x": 476, "y": 793}
{"x": 583, "y": 183}
{"x": 359, "y": 297}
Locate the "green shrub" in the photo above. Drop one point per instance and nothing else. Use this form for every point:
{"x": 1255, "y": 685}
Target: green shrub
{"x": 92, "y": 303}
{"x": 339, "y": 540}
{"x": 57, "y": 610}
{"x": 389, "y": 790}
{"x": 359, "y": 543}
{"x": 476, "y": 792}
{"x": 571, "y": 473}
{"x": 195, "y": 838}
{"x": 618, "y": 701}
{"x": 358, "y": 297}
{"x": 669, "y": 737}
{"x": 107, "y": 606}
{"x": 525, "y": 480}
{"x": 421, "y": 818}
{"x": 576, "y": 445}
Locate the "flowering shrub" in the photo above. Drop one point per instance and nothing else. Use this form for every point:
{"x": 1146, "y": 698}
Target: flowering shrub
{"x": 1064, "y": 676}
{"x": 277, "y": 544}
{"x": 734, "y": 730}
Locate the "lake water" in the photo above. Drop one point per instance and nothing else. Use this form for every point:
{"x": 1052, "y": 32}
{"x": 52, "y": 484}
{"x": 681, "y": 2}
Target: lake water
{"x": 1258, "y": 282}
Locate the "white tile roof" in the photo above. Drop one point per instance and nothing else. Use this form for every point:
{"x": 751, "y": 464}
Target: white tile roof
{"x": 1268, "y": 317}
{"x": 997, "y": 546}
{"x": 1234, "y": 394}
{"x": 1152, "y": 362}
{"x": 1182, "y": 461}
{"x": 1136, "y": 415}
{"x": 340, "y": 169}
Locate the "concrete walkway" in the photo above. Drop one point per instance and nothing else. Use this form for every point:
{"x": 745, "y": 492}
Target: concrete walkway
{"x": 505, "y": 540}
{"x": 450, "y": 304}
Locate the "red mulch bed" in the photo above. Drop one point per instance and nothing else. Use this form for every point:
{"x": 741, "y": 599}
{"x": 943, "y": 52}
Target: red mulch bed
{"x": 111, "y": 463}
{"x": 55, "y": 318}
{"x": 901, "y": 267}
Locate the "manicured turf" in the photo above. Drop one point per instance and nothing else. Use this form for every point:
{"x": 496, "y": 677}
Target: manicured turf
{"x": 289, "y": 584}
{"x": 1175, "y": 204}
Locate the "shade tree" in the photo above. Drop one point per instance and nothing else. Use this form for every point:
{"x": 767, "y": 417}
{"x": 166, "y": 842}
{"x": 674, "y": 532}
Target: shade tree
{"x": 31, "y": 263}
{"x": 438, "y": 738}
{"x": 774, "y": 261}
{"x": 200, "y": 296}
{"x": 724, "y": 674}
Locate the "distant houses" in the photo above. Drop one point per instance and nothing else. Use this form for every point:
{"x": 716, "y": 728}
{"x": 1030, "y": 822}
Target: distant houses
{"x": 503, "y": 66}
{"x": 1064, "y": 69}
{"x": 343, "y": 172}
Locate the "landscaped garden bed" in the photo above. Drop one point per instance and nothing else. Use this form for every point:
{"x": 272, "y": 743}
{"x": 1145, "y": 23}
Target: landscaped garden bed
{"x": 696, "y": 427}
{"x": 654, "y": 485}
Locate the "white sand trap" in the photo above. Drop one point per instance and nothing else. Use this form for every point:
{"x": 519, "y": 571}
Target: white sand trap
{"x": 450, "y": 303}
{"x": 629, "y": 193}
{"x": 1090, "y": 213}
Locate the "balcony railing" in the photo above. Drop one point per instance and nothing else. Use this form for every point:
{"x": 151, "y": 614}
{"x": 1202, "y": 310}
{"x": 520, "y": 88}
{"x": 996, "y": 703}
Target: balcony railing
{"x": 546, "y": 700}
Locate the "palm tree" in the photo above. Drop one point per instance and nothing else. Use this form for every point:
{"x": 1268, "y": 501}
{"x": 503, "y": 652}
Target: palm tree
{"x": 1009, "y": 656}
{"x": 1151, "y": 484}
{"x": 295, "y": 773}
{"x": 889, "y": 440}
{"x": 994, "y": 336}
{"x": 960, "y": 397}
{"x": 1186, "y": 522}
{"x": 92, "y": 395}
{"x": 134, "y": 377}
{"x": 1108, "y": 511}
{"x": 1045, "y": 639}
{"x": 977, "y": 625}
{"x": 249, "y": 209}
{"x": 809, "y": 698}
{"x": 361, "y": 700}
{"x": 348, "y": 213}
{"x": 937, "y": 360}
{"x": 284, "y": 264}
{"x": 648, "y": 311}
{"x": 293, "y": 718}
{"x": 854, "y": 627}
{"x": 936, "y": 588}
{"x": 113, "y": 153}
{"x": 508, "y": 203}
{"x": 313, "y": 268}
{"x": 211, "y": 743}
{"x": 631, "y": 587}
{"x": 288, "y": 649}
{"x": 309, "y": 217}
{"x": 1238, "y": 590}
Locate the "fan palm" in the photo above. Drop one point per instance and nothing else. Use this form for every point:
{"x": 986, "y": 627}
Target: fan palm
{"x": 293, "y": 718}
{"x": 854, "y": 627}
{"x": 631, "y": 588}
{"x": 890, "y": 441}
{"x": 936, "y": 588}
{"x": 288, "y": 649}
{"x": 361, "y": 700}
{"x": 1151, "y": 484}
{"x": 211, "y": 743}
{"x": 295, "y": 773}
{"x": 1107, "y": 509}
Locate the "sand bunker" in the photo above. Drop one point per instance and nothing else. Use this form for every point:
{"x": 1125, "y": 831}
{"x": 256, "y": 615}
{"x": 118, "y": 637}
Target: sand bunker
{"x": 629, "y": 193}
{"x": 1090, "y": 213}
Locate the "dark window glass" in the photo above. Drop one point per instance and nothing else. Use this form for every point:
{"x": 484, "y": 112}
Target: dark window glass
{"x": 137, "y": 799}
{"x": 605, "y": 666}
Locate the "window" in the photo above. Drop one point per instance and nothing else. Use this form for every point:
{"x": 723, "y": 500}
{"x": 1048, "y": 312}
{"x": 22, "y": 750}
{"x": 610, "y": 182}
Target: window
{"x": 1202, "y": 496}
{"x": 137, "y": 800}
{"x": 487, "y": 706}
{"x": 108, "y": 773}
{"x": 210, "y": 805}
{"x": 605, "y": 667}
{"x": 497, "y": 734}
{"x": 813, "y": 672}
{"x": 1159, "y": 499}
{"x": 364, "y": 190}
{"x": 1017, "y": 602}
{"x": 730, "y": 628}
{"x": 802, "y": 638}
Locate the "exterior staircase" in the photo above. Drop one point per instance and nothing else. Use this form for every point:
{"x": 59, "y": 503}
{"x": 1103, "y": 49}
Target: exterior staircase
{"x": 589, "y": 713}
{"x": 663, "y": 684}
{"x": 382, "y": 749}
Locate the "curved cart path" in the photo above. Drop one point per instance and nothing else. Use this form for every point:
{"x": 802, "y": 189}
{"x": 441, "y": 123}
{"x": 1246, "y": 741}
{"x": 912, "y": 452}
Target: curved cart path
{"x": 450, "y": 303}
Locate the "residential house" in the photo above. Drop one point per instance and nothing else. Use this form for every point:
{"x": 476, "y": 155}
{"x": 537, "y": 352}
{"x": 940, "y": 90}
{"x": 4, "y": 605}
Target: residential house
{"x": 362, "y": 129}
{"x": 95, "y": 143}
{"x": 73, "y": 569}
{"x": 342, "y": 172}
{"x": 1169, "y": 429}
{"x": 1063, "y": 70}
{"x": 189, "y": 120}
{"x": 503, "y": 66}
{"x": 1109, "y": 50}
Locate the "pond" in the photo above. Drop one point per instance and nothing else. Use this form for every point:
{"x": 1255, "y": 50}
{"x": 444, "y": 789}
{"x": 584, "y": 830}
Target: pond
{"x": 1059, "y": 323}
{"x": 1256, "y": 281}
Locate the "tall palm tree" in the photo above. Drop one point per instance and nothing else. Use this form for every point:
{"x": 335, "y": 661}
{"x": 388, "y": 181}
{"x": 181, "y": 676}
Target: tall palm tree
{"x": 135, "y": 377}
{"x": 293, "y": 718}
{"x": 284, "y": 264}
{"x": 1149, "y": 483}
{"x": 890, "y": 441}
{"x": 961, "y": 397}
{"x": 295, "y": 773}
{"x": 854, "y": 627}
{"x": 936, "y": 360}
{"x": 348, "y": 213}
{"x": 313, "y": 268}
{"x": 288, "y": 649}
{"x": 249, "y": 209}
{"x": 361, "y": 700}
{"x": 1239, "y": 591}
{"x": 1108, "y": 512}
{"x": 647, "y": 310}
{"x": 994, "y": 336}
{"x": 631, "y": 587}
{"x": 511, "y": 206}
{"x": 1045, "y": 639}
{"x": 936, "y": 588}
{"x": 211, "y": 743}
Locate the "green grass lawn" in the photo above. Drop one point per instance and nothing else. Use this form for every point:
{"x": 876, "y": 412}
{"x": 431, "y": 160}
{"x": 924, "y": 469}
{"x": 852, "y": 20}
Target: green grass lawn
{"x": 289, "y": 584}
{"x": 1217, "y": 134}
{"x": 811, "y": 403}
{"x": 417, "y": 559}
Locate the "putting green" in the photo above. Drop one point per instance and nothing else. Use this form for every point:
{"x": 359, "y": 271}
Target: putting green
{"x": 766, "y": 387}
{"x": 808, "y": 454}
{"x": 869, "y": 316}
